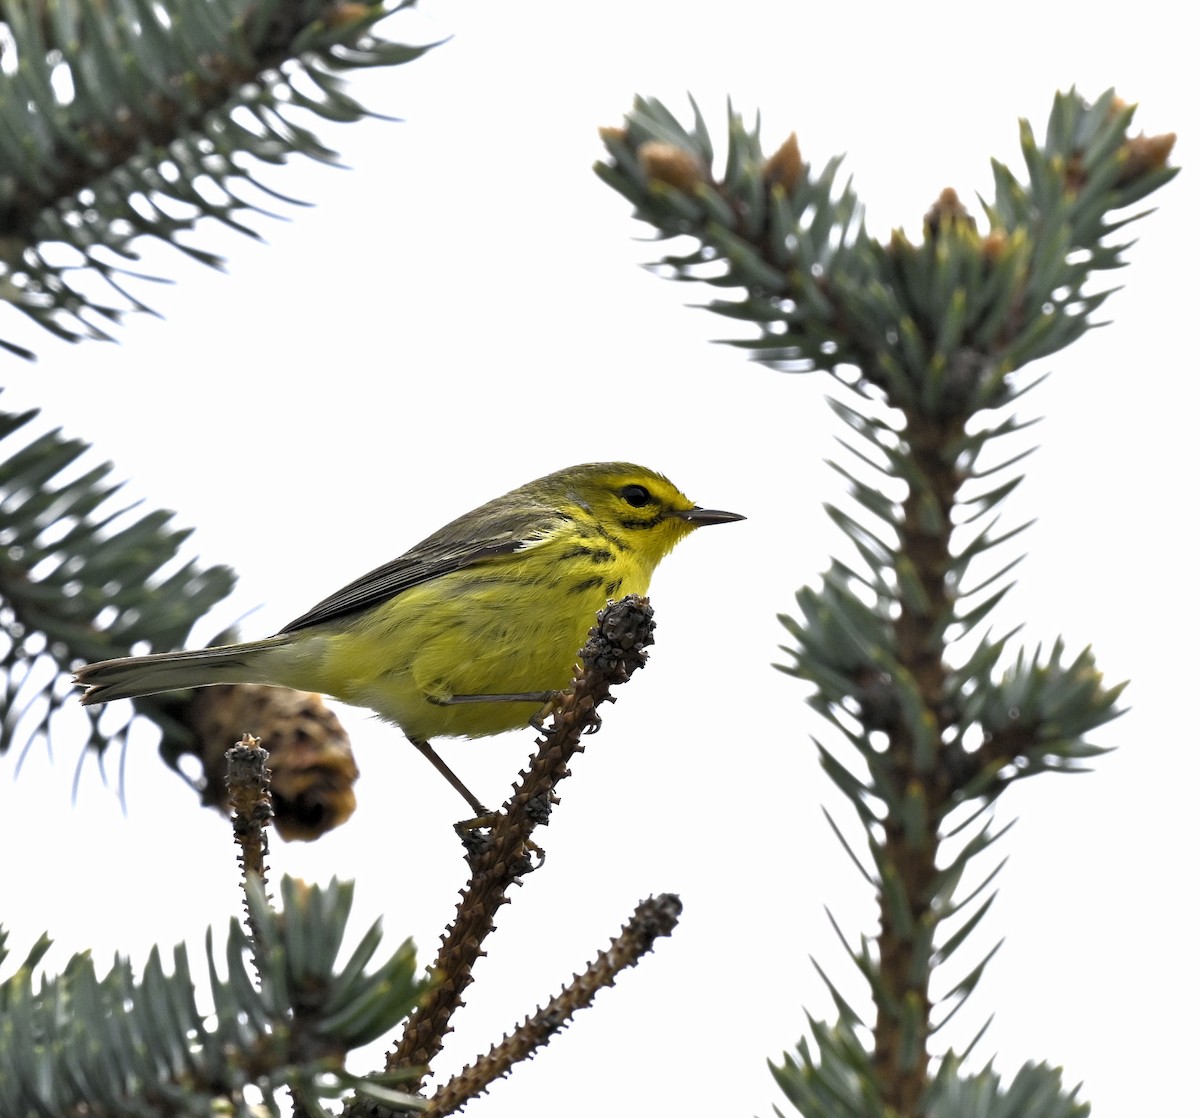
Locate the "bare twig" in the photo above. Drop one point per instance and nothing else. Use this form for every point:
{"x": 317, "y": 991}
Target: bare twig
{"x": 653, "y": 917}
{"x": 249, "y": 782}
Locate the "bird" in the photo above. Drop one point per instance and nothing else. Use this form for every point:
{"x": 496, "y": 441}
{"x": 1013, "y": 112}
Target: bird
{"x": 469, "y": 632}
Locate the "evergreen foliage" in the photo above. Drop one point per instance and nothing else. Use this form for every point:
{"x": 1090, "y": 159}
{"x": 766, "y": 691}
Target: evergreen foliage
{"x": 284, "y": 1014}
{"x": 128, "y": 119}
{"x": 934, "y": 714}
{"x": 82, "y": 577}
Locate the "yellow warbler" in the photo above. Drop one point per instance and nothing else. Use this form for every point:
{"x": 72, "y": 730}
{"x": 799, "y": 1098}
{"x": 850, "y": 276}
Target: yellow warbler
{"x": 468, "y": 633}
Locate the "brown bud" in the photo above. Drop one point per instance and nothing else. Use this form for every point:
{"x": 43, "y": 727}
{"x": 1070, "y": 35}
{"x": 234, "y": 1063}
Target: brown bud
{"x": 994, "y": 244}
{"x": 785, "y": 166}
{"x": 1074, "y": 173}
{"x": 349, "y": 11}
{"x": 612, "y": 135}
{"x": 946, "y": 210}
{"x": 670, "y": 164}
{"x": 1142, "y": 154}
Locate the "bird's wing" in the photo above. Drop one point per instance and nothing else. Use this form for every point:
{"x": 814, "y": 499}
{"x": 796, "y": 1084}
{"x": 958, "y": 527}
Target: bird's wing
{"x": 474, "y": 538}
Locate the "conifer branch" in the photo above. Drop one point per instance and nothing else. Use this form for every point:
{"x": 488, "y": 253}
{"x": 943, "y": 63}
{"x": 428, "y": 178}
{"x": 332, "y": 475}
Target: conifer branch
{"x": 928, "y": 336}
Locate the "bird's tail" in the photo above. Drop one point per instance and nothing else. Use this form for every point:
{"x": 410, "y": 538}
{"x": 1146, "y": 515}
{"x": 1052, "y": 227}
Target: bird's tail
{"x": 170, "y": 671}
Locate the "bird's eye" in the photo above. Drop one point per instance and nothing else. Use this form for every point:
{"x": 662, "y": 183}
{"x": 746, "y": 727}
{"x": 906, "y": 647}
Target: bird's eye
{"x": 636, "y": 495}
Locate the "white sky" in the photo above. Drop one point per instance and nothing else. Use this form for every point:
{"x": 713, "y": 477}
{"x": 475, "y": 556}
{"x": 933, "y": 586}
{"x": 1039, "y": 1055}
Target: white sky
{"x": 463, "y": 312}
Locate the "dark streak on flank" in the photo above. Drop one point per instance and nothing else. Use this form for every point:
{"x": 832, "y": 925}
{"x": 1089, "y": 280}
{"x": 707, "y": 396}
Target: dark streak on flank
{"x": 595, "y": 554}
{"x": 613, "y": 588}
{"x": 480, "y": 580}
{"x": 586, "y": 584}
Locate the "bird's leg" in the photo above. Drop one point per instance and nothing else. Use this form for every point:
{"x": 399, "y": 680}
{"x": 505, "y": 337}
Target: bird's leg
{"x": 514, "y": 697}
{"x": 476, "y": 805}
{"x": 548, "y": 699}
{"x": 468, "y": 829}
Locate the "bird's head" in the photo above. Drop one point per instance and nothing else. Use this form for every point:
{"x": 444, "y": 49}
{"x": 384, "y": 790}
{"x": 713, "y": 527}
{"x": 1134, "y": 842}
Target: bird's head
{"x": 637, "y": 508}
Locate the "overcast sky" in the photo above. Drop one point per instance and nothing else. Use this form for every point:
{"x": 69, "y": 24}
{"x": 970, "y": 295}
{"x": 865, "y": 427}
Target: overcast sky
{"x": 464, "y": 311}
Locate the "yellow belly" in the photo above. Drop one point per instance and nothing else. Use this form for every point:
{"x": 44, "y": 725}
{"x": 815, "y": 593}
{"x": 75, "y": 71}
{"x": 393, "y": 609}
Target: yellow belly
{"x": 497, "y": 628}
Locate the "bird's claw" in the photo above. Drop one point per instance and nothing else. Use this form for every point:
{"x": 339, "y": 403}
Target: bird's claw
{"x": 471, "y": 833}
{"x": 549, "y": 709}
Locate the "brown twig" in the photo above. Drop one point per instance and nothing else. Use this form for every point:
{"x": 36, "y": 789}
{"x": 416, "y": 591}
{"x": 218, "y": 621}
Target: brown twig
{"x": 900, "y": 1061}
{"x": 653, "y": 917}
{"x": 614, "y": 650}
{"x": 249, "y": 782}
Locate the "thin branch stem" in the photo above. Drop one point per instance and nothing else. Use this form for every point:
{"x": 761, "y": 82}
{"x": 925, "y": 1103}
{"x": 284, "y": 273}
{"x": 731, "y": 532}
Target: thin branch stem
{"x": 653, "y": 917}
{"x": 249, "y": 782}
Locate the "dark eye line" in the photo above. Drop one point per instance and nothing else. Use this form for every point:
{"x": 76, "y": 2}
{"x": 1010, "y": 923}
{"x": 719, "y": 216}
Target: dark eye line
{"x": 652, "y": 522}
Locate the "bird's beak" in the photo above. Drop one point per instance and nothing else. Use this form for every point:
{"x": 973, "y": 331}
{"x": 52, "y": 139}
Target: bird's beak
{"x": 699, "y": 516}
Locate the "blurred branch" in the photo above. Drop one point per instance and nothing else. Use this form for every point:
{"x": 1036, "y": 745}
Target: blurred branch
{"x": 133, "y": 119}
{"x": 83, "y": 1043}
{"x": 82, "y": 578}
{"x": 313, "y": 770}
